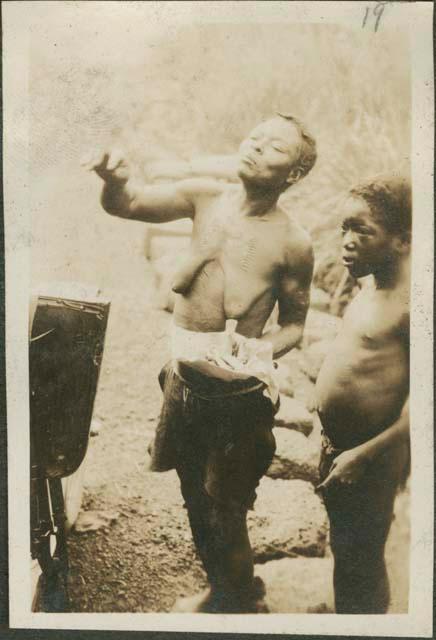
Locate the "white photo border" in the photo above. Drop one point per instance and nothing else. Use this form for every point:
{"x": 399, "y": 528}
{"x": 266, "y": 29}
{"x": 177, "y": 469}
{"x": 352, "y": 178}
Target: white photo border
{"x": 417, "y": 19}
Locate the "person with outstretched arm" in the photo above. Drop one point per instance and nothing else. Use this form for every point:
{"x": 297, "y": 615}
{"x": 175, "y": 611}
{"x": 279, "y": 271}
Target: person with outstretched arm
{"x": 219, "y": 390}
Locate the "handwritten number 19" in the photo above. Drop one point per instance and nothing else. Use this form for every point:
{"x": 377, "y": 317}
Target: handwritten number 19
{"x": 377, "y": 12}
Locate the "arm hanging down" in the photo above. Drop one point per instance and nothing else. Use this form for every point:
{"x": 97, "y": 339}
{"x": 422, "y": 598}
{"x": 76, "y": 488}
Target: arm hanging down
{"x": 351, "y": 465}
{"x": 293, "y": 301}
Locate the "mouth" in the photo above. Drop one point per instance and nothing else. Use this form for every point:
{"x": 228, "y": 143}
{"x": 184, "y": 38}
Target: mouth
{"x": 348, "y": 261}
{"x": 249, "y": 161}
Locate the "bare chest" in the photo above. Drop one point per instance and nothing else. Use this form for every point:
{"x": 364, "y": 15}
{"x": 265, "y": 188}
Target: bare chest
{"x": 249, "y": 247}
{"x": 376, "y": 320}
{"x": 239, "y": 260}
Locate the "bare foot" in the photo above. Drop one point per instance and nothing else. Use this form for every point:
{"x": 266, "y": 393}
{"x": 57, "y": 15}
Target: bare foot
{"x": 200, "y": 603}
{"x": 208, "y": 602}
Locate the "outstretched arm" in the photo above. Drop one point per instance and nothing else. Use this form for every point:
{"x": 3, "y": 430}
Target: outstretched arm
{"x": 218, "y": 167}
{"x": 125, "y": 197}
{"x": 293, "y": 301}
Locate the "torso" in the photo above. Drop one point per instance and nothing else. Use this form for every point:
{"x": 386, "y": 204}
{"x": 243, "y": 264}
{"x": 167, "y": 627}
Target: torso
{"x": 240, "y": 261}
{"x": 364, "y": 381}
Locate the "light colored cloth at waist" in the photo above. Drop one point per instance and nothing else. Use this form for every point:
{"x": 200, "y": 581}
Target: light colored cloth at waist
{"x": 195, "y": 345}
{"x": 229, "y": 350}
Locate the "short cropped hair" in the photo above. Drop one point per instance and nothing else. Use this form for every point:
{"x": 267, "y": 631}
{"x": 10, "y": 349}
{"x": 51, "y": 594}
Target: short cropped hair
{"x": 390, "y": 201}
{"x": 308, "y": 154}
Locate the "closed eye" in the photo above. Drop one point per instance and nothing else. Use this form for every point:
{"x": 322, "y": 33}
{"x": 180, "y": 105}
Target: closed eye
{"x": 357, "y": 229}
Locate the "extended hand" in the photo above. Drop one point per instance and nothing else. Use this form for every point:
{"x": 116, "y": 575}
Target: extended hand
{"x": 347, "y": 470}
{"x": 111, "y": 166}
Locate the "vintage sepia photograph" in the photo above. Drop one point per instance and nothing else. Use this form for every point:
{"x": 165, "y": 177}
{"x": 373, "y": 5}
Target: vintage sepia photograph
{"x": 219, "y": 263}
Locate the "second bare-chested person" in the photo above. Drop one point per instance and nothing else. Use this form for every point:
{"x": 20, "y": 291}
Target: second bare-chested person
{"x": 363, "y": 394}
{"x": 219, "y": 392}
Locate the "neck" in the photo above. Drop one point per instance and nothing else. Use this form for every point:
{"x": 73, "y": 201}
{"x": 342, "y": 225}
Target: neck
{"x": 393, "y": 273}
{"x": 257, "y": 200}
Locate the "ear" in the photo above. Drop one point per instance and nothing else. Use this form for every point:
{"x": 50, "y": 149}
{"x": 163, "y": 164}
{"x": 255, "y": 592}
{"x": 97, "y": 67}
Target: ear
{"x": 294, "y": 176}
{"x": 402, "y": 242}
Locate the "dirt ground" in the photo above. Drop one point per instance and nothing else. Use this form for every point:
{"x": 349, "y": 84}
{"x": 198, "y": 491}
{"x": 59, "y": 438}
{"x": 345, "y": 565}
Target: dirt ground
{"x": 145, "y": 559}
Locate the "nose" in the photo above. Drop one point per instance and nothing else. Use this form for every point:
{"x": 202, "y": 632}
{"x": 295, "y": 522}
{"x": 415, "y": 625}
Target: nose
{"x": 349, "y": 242}
{"x": 257, "y": 146}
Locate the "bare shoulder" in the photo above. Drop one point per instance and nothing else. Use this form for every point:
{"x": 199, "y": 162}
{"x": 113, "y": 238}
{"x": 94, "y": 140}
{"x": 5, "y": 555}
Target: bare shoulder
{"x": 299, "y": 248}
{"x": 199, "y": 188}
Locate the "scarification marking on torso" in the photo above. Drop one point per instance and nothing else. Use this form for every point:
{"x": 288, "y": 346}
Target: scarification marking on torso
{"x": 228, "y": 245}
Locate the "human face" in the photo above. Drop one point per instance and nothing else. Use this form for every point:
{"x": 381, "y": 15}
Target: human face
{"x": 268, "y": 154}
{"x": 367, "y": 247}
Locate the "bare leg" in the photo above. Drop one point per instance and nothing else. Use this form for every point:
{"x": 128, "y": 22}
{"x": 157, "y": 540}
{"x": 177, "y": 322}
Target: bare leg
{"x": 221, "y": 539}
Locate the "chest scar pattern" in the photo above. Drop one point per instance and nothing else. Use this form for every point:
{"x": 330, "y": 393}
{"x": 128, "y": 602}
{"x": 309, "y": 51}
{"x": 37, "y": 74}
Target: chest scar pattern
{"x": 248, "y": 256}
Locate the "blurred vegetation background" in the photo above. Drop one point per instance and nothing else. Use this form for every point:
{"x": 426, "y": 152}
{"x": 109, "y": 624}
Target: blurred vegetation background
{"x": 199, "y": 89}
